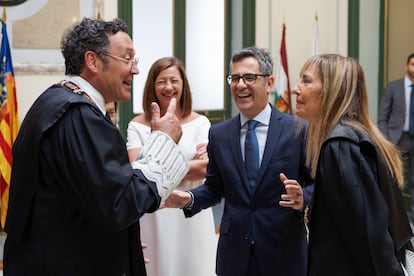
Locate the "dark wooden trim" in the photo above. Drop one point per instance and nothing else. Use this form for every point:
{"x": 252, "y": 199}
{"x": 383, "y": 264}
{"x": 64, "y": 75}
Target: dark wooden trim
{"x": 228, "y": 35}
{"x": 383, "y": 49}
{"x": 11, "y": 2}
{"x": 249, "y": 23}
{"x": 353, "y": 28}
{"x": 179, "y": 29}
{"x": 125, "y": 108}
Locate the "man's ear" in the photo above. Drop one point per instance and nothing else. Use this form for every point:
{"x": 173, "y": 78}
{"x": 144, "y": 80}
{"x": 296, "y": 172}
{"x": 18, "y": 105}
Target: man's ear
{"x": 271, "y": 81}
{"x": 91, "y": 60}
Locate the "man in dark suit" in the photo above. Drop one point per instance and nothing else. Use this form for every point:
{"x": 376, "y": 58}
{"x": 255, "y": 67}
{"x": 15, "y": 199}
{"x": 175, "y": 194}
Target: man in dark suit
{"x": 258, "y": 235}
{"x": 394, "y": 122}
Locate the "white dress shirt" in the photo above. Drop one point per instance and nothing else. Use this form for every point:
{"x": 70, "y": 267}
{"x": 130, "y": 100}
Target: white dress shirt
{"x": 261, "y": 130}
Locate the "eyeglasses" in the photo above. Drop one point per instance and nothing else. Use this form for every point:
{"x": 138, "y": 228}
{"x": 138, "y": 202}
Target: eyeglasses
{"x": 133, "y": 62}
{"x": 248, "y": 79}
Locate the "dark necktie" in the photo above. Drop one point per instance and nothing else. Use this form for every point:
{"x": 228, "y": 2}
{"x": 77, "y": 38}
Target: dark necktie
{"x": 251, "y": 154}
{"x": 411, "y": 119}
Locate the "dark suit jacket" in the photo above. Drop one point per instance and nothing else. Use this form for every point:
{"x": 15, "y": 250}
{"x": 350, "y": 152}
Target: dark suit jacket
{"x": 255, "y": 219}
{"x": 391, "y": 115}
{"x": 74, "y": 199}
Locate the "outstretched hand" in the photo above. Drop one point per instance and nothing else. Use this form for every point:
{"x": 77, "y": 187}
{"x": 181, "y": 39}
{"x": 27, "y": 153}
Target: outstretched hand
{"x": 294, "y": 193}
{"x": 169, "y": 123}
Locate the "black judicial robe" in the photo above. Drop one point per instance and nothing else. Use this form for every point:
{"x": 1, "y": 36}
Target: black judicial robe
{"x": 357, "y": 225}
{"x": 75, "y": 200}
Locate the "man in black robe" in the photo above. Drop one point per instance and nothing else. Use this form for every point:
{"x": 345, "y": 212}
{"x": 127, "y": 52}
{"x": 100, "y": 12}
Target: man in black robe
{"x": 75, "y": 199}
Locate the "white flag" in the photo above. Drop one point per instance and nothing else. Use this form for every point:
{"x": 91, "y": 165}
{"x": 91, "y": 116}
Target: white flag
{"x": 315, "y": 43}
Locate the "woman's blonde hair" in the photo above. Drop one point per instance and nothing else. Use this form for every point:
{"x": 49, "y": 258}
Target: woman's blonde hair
{"x": 344, "y": 97}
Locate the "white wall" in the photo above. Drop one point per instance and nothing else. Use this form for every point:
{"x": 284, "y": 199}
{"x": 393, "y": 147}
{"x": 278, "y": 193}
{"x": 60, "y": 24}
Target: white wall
{"x": 29, "y": 87}
{"x": 204, "y": 60}
{"x": 35, "y": 69}
{"x": 153, "y": 39}
{"x": 369, "y": 50}
{"x": 299, "y": 18}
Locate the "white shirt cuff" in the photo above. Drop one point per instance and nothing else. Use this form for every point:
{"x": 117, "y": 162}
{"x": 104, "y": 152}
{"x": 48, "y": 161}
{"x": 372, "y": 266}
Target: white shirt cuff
{"x": 161, "y": 161}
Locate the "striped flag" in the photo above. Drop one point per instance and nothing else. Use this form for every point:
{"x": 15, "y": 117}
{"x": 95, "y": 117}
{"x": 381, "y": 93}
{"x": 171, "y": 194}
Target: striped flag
{"x": 282, "y": 94}
{"x": 9, "y": 121}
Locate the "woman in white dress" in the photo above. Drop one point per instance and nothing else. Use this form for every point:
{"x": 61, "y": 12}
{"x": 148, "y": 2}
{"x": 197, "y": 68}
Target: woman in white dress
{"x": 177, "y": 246}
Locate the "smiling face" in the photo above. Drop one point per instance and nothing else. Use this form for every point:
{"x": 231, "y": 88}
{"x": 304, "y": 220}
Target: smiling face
{"x": 250, "y": 99}
{"x": 114, "y": 78}
{"x": 168, "y": 85}
{"x": 308, "y": 94}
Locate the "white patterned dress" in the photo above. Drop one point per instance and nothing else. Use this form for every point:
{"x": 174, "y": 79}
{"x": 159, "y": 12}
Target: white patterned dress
{"x": 178, "y": 246}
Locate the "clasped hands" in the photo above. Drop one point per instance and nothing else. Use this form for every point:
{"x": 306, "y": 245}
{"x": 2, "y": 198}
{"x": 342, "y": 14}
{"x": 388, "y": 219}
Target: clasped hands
{"x": 293, "y": 197}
